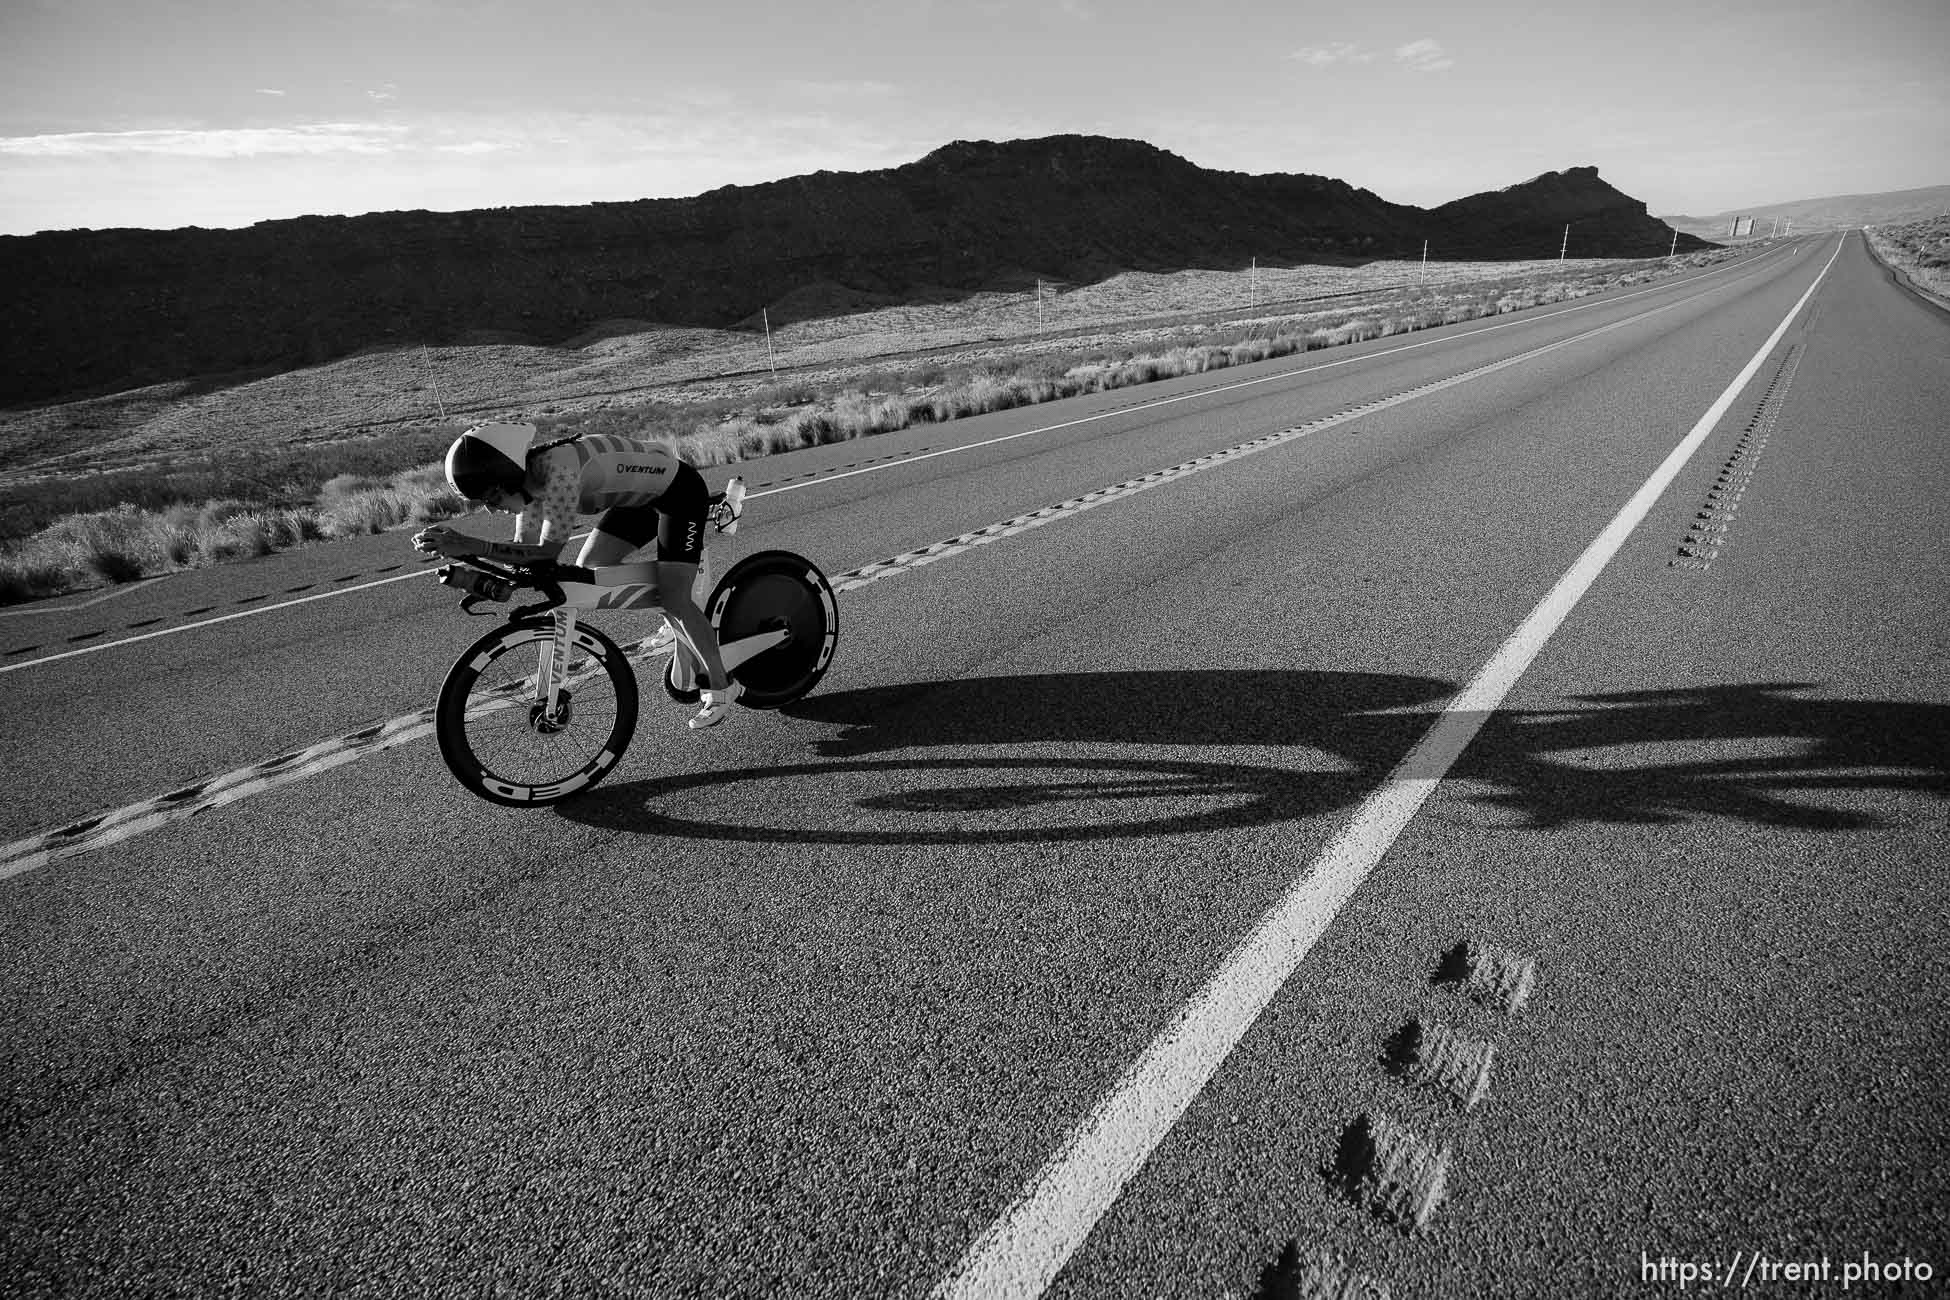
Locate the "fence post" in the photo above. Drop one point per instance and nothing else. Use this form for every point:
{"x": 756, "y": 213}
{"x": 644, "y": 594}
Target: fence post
{"x": 433, "y": 381}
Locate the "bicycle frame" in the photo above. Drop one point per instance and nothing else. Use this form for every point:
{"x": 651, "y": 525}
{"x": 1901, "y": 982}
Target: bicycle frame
{"x": 620, "y": 586}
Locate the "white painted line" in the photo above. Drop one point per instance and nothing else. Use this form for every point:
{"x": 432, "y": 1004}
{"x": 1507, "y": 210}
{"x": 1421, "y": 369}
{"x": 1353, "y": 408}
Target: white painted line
{"x": 116, "y": 594}
{"x": 1298, "y": 373}
{"x": 208, "y": 622}
{"x": 1024, "y": 1249}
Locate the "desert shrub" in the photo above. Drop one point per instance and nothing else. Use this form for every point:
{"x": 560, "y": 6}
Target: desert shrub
{"x": 795, "y": 393}
{"x": 115, "y": 566}
{"x": 215, "y": 514}
{"x": 29, "y": 577}
{"x": 991, "y": 392}
{"x": 286, "y": 476}
{"x": 234, "y": 537}
{"x": 360, "y": 514}
{"x": 344, "y": 485}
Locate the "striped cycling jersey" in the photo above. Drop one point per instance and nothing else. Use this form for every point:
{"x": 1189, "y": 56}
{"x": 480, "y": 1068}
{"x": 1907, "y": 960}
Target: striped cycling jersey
{"x": 588, "y": 476}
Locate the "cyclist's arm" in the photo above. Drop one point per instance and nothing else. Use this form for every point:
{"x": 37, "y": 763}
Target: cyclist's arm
{"x": 520, "y": 552}
{"x": 550, "y": 514}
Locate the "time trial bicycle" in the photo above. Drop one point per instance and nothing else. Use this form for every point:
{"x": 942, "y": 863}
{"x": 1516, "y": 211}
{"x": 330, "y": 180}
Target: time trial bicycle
{"x": 544, "y": 706}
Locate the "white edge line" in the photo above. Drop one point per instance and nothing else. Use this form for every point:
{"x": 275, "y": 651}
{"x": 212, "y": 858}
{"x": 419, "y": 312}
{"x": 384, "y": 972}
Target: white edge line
{"x": 1028, "y": 1244}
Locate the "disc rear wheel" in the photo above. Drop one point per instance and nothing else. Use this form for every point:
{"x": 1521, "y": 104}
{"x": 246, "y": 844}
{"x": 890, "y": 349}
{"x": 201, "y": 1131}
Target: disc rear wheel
{"x": 772, "y": 592}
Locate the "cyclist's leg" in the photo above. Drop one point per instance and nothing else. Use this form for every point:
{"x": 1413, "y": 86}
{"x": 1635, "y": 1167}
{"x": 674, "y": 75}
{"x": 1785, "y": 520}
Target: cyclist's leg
{"x": 618, "y": 534}
{"x": 682, "y": 512}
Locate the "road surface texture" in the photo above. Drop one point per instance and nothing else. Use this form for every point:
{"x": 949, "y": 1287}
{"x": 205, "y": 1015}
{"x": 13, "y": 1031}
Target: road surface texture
{"x": 1463, "y": 846}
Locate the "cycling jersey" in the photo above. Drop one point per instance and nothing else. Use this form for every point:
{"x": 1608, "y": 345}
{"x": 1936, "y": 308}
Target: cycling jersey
{"x": 639, "y": 489}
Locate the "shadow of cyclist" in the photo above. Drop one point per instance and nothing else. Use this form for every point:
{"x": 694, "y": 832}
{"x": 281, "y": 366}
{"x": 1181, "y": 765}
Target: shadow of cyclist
{"x": 1766, "y": 753}
{"x": 1353, "y": 714}
{"x": 1340, "y": 732}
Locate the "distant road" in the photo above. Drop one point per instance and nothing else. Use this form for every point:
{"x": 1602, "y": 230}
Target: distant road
{"x": 1063, "y": 942}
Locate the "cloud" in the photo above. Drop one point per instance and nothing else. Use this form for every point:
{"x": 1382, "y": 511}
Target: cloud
{"x": 1321, "y": 56}
{"x": 385, "y": 92}
{"x": 841, "y": 91}
{"x": 262, "y": 91}
{"x": 247, "y": 142}
{"x": 1424, "y": 56}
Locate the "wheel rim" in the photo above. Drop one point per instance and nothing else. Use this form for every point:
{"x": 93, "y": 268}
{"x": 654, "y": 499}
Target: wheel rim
{"x": 492, "y": 733}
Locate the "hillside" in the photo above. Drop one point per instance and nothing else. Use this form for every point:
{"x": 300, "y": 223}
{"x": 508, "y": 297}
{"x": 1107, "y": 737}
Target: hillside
{"x": 1836, "y": 212}
{"x": 101, "y": 310}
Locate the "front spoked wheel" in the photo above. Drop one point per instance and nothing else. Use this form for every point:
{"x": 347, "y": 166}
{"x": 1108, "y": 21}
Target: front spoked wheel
{"x": 503, "y": 742}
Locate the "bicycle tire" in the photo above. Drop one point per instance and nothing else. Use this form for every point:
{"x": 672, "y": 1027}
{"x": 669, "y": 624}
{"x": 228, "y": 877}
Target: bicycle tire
{"x": 466, "y": 718}
{"x": 766, "y": 590}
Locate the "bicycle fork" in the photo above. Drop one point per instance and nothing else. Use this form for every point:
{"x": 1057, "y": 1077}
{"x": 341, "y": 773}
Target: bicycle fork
{"x": 547, "y": 712}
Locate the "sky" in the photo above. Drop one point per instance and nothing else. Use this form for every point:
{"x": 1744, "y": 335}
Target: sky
{"x": 165, "y": 113}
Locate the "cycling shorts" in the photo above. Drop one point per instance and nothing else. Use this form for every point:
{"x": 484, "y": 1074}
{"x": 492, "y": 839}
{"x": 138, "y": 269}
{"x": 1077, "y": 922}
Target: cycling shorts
{"x": 676, "y": 519}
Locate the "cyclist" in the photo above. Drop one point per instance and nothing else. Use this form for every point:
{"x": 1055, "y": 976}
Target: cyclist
{"x": 640, "y": 493}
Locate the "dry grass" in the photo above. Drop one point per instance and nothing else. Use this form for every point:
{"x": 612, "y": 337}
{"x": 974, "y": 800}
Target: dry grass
{"x": 1920, "y": 249}
{"x": 128, "y": 543}
{"x": 851, "y": 381}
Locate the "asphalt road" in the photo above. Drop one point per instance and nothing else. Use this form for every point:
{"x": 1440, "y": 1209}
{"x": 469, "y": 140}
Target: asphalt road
{"x": 837, "y": 1000}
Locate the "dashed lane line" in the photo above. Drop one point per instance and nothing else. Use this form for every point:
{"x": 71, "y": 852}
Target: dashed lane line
{"x": 868, "y": 467}
{"x": 208, "y": 622}
{"x": 1021, "y": 1252}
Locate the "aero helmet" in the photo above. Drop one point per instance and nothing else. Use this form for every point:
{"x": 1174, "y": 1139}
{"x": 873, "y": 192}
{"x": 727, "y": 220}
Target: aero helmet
{"x": 490, "y": 458}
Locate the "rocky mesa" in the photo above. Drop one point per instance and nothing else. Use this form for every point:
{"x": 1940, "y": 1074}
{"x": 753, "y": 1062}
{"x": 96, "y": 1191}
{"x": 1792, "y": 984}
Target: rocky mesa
{"x": 93, "y": 310}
